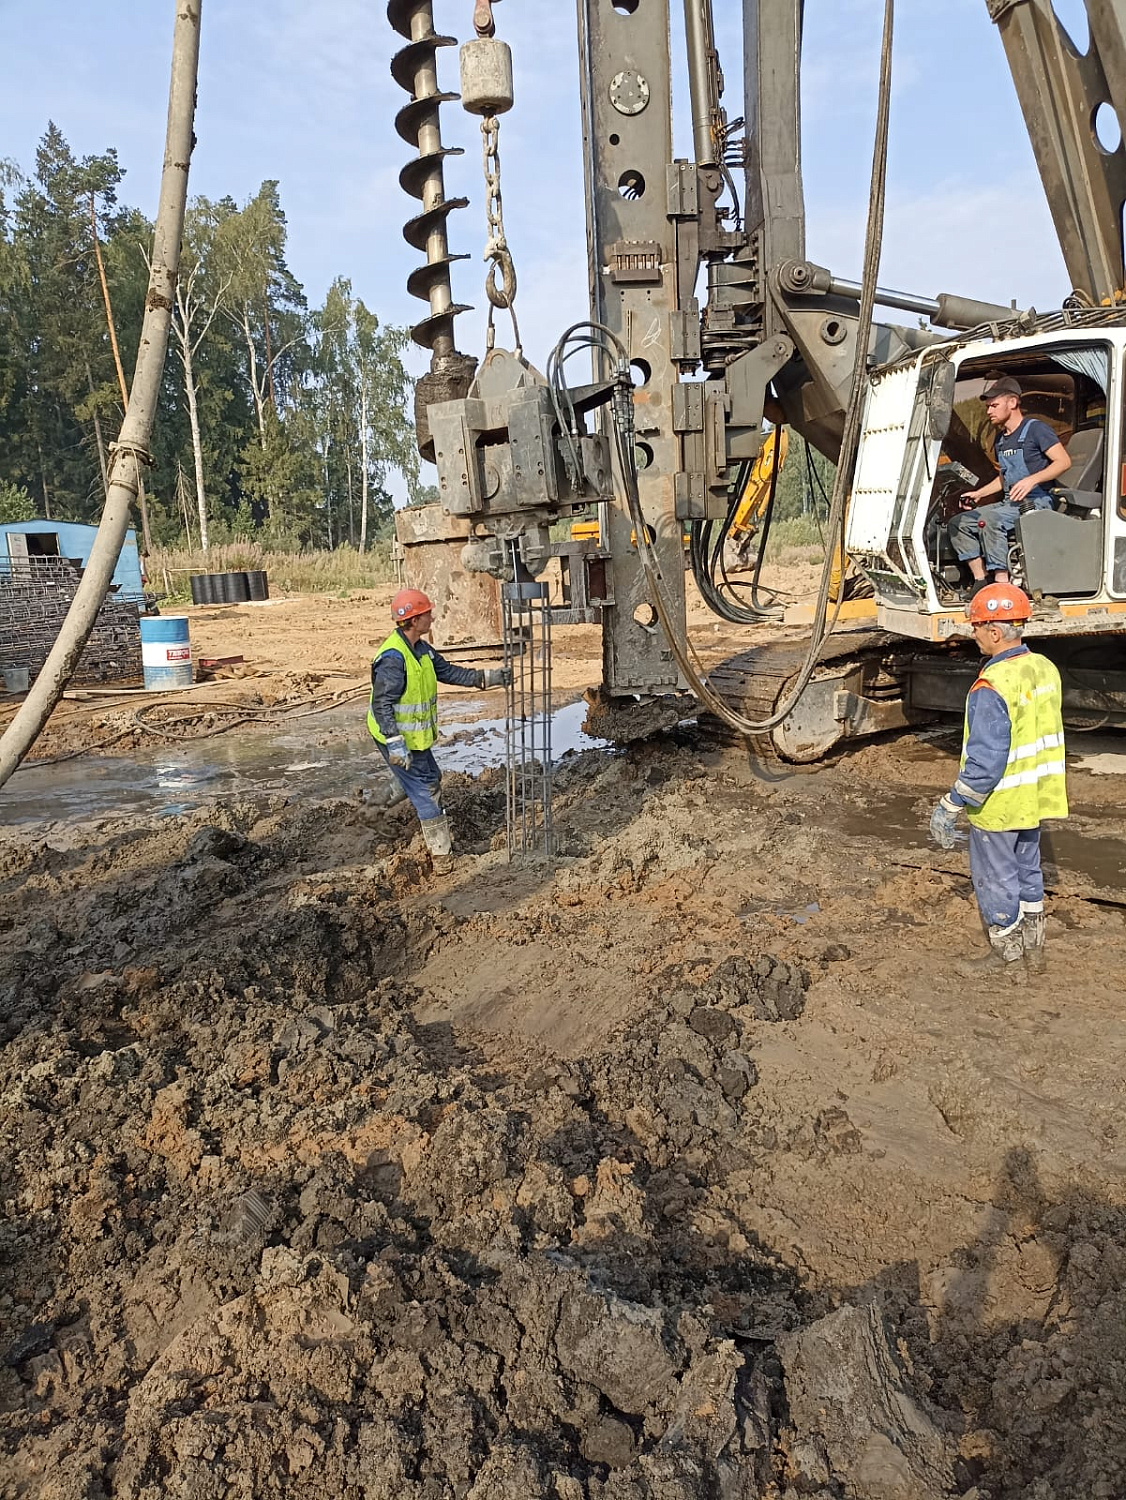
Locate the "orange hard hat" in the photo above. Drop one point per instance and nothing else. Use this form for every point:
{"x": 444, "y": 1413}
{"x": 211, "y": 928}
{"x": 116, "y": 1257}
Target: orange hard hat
{"x": 408, "y": 604}
{"x": 999, "y": 604}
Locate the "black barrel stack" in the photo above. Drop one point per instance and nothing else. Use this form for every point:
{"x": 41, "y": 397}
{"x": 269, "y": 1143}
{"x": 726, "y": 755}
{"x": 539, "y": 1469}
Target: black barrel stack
{"x": 230, "y": 588}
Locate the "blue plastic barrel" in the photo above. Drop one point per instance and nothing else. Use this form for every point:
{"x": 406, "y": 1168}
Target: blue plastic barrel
{"x": 166, "y": 652}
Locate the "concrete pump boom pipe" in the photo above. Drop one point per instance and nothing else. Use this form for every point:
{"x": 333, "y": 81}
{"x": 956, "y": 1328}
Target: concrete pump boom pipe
{"x": 131, "y": 448}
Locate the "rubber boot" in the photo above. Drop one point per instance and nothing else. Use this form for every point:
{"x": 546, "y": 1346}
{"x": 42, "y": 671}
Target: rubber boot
{"x": 1032, "y": 931}
{"x": 385, "y": 791}
{"x": 436, "y": 832}
{"x": 1006, "y": 949}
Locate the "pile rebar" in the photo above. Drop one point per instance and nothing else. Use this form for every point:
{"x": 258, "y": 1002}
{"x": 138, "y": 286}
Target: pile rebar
{"x": 526, "y": 624}
{"x": 35, "y": 594}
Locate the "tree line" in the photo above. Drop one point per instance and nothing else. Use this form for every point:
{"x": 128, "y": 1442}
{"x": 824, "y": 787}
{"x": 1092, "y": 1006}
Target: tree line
{"x": 278, "y": 421}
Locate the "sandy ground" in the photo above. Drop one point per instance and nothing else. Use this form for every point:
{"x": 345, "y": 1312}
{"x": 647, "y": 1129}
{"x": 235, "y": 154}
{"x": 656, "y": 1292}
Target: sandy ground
{"x": 312, "y": 650}
{"x": 685, "y": 1167}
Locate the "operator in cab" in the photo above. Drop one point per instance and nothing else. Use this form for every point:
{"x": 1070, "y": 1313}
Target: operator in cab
{"x": 1030, "y": 457}
{"x": 403, "y": 712}
{"x": 1010, "y": 779}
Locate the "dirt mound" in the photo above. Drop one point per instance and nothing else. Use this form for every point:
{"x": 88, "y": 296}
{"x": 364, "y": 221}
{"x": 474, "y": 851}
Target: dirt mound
{"x": 275, "y": 1239}
{"x": 321, "y": 1177}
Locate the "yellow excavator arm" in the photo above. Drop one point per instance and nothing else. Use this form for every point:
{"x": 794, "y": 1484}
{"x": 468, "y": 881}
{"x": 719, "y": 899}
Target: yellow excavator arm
{"x": 756, "y": 491}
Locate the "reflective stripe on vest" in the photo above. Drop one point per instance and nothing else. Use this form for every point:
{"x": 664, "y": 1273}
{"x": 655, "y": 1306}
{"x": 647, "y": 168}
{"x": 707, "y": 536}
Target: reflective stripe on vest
{"x": 416, "y": 713}
{"x": 1033, "y": 785}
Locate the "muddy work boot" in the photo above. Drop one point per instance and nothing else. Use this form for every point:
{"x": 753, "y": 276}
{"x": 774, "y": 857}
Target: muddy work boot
{"x": 384, "y": 792}
{"x": 1032, "y": 932}
{"x": 436, "y": 833}
{"x": 1006, "y": 949}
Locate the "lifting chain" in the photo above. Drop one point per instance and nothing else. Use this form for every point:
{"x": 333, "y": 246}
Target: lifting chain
{"x": 486, "y": 90}
{"x": 496, "y": 247}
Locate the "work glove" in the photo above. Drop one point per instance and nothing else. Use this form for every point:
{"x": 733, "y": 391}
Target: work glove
{"x": 944, "y": 824}
{"x": 397, "y": 752}
{"x": 496, "y": 677}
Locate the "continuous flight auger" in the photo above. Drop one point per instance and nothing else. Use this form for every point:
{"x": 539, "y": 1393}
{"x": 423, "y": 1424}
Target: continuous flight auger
{"x": 415, "y": 69}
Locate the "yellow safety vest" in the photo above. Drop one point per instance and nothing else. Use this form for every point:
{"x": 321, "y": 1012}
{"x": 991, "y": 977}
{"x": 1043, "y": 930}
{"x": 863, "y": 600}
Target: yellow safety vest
{"x": 1033, "y": 786}
{"x": 416, "y": 713}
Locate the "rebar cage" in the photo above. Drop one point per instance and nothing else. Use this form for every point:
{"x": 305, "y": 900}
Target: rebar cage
{"x": 526, "y": 625}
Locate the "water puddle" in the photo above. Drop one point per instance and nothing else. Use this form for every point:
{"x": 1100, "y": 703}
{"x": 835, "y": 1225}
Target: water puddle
{"x": 330, "y": 755}
{"x": 1075, "y": 856}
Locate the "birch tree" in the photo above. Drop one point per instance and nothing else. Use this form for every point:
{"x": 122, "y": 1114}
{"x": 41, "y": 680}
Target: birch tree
{"x": 384, "y": 390}
{"x": 250, "y": 248}
{"x": 201, "y": 294}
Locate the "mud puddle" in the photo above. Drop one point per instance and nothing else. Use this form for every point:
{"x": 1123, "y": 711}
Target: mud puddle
{"x": 331, "y": 756}
{"x": 1075, "y": 859}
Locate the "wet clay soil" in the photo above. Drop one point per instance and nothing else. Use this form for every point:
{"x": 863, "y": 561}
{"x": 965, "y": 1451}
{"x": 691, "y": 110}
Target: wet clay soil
{"x": 686, "y": 1169}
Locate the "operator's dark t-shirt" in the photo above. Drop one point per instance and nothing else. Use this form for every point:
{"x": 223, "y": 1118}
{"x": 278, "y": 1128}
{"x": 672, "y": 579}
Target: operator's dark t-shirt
{"x": 1025, "y": 451}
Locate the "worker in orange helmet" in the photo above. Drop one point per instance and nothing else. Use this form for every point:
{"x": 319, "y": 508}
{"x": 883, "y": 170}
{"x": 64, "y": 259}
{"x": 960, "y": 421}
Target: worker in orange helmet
{"x": 403, "y": 711}
{"x": 1010, "y": 779}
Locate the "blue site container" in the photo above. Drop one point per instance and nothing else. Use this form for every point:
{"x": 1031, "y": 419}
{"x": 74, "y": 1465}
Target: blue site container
{"x": 30, "y": 539}
{"x": 166, "y": 652}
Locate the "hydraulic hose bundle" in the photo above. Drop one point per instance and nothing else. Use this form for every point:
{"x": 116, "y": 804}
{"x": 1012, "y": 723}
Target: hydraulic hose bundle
{"x": 708, "y": 554}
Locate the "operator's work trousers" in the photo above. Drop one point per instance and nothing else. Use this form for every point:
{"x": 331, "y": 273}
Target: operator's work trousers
{"x": 985, "y": 532}
{"x": 1006, "y": 874}
{"x": 421, "y": 780}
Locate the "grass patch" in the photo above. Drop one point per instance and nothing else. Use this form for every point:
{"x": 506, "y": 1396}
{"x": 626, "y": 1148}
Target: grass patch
{"x": 337, "y": 572}
{"x": 795, "y": 540}
{"x": 795, "y": 531}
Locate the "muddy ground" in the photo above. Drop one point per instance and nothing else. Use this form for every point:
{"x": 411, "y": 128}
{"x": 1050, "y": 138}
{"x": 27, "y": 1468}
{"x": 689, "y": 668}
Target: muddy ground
{"x": 687, "y": 1168}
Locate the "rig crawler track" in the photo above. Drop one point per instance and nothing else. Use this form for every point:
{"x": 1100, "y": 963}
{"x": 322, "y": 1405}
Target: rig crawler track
{"x": 856, "y": 691}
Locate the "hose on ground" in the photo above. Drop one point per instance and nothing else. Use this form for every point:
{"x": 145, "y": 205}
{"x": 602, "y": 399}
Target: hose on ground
{"x": 236, "y": 715}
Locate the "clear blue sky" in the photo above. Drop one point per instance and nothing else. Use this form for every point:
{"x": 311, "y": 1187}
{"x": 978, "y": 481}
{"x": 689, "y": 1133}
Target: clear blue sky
{"x": 299, "y": 90}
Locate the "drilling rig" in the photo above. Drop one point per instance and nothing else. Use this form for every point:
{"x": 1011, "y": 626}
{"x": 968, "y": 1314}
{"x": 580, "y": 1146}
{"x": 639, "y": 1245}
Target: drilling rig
{"x": 685, "y": 389}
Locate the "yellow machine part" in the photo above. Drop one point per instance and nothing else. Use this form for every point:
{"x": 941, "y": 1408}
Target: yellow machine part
{"x": 587, "y": 531}
{"x": 756, "y": 492}
{"x": 756, "y": 496}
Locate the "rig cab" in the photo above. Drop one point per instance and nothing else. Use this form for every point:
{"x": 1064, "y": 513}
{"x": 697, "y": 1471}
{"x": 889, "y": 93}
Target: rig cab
{"x": 926, "y": 441}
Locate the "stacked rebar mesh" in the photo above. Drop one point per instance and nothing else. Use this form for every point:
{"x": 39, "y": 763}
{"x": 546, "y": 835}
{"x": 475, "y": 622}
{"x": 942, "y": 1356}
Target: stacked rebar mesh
{"x": 526, "y": 621}
{"x": 35, "y": 594}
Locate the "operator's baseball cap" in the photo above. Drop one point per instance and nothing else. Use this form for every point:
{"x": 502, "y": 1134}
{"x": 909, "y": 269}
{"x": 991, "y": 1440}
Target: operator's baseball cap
{"x": 1004, "y": 385}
